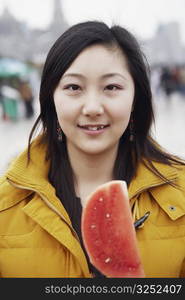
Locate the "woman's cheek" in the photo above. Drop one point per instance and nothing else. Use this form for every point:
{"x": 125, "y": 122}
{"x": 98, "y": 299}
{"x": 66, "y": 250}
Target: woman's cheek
{"x": 120, "y": 113}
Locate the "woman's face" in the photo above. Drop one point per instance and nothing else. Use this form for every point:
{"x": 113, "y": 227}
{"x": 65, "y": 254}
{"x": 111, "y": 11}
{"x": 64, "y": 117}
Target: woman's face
{"x": 94, "y": 100}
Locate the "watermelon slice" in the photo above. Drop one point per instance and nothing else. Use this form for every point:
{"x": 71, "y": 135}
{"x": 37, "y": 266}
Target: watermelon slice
{"x": 108, "y": 232}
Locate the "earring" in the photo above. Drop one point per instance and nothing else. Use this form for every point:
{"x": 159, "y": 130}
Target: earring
{"x": 131, "y": 127}
{"x": 59, "y": 132}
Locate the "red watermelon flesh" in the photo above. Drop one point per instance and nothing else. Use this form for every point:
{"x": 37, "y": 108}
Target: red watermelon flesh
{"x": 108, "y": 232}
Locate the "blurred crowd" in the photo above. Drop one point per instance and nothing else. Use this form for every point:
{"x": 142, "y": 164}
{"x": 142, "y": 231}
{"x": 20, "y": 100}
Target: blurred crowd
{"x": 168, "y": 79}
{"x": 19, "y": 85}
{"x": 14, "y": 92}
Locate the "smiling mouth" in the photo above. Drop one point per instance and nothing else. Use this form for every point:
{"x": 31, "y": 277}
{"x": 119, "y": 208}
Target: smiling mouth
{"x": 93, "y": 127}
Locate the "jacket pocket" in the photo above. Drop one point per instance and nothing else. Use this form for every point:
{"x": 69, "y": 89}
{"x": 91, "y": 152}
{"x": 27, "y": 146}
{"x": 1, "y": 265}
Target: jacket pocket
{"x": 25, "y": 240}
{"x": 171, "y": 202}
{"x": 161, "y": 223}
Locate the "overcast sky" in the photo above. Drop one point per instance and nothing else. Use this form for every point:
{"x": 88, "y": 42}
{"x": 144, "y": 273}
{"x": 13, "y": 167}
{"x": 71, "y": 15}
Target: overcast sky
{"x": 140, "y": 16}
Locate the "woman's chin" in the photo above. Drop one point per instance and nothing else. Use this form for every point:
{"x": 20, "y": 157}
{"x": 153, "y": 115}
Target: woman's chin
{"x": 96, "y": 149}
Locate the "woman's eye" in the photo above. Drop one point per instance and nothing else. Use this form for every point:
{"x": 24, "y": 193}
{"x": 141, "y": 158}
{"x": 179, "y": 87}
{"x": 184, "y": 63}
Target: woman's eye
{"x": 72, "y": 87}
{"x": 112, "y": 87}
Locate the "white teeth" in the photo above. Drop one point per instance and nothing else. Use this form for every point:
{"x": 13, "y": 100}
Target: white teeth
{"x": 94, "y": 128}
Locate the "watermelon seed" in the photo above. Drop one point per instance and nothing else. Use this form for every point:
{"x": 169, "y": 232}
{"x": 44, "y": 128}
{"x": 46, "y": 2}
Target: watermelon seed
{"x": 107, "y": 215}
{"x": 100, "y": 199}
{"x": 97, "y": 242}
{"x": 131, "y": 269}
{"x": 95, "y": 207}
{"x": 93, "y": 226}
{"x": 107, "y": 260}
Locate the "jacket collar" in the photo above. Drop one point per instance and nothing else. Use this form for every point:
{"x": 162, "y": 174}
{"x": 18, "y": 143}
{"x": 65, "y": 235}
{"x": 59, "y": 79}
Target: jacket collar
{"x": 145, "y": 178}
{"x": 35, "y": 175}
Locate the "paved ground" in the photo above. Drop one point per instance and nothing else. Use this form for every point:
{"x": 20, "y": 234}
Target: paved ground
{"x": 169, "y": 130}
{"x": 14, "y": 137}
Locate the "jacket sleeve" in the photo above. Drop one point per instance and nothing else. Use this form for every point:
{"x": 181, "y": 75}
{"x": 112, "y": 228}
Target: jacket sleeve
{"x": 182, "y": 273}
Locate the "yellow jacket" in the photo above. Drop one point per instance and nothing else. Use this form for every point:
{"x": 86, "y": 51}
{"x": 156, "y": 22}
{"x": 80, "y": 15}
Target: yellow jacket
{"x": 37, "y": 238}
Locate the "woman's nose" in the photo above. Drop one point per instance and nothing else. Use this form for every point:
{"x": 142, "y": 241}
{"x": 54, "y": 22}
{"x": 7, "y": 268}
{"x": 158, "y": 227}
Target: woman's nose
{"x": 92, "y": 107}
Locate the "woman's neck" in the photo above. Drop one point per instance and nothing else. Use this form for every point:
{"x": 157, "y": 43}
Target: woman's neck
{"x": 91, "y": 170}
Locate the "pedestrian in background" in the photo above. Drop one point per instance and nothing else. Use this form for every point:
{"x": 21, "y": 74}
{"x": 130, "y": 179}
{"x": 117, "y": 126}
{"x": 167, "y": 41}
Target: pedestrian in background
{"x": 10, "y": 98}
{"x": 27, "y": 97}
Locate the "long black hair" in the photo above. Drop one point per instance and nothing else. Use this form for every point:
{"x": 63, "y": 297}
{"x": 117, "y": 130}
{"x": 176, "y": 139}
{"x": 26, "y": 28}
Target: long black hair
{"x": 130, "y": 154}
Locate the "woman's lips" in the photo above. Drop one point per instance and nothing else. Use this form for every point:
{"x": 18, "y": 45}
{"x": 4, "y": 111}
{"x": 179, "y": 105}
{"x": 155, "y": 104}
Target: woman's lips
{"x": 93, "y": 129}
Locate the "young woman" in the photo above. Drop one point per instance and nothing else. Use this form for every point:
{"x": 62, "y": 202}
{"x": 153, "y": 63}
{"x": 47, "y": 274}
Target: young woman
{"x": 96, "y": 115}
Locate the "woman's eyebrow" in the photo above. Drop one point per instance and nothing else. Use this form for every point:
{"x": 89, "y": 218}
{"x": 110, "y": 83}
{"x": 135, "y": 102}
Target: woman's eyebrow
{"x": 73, "y": 75}
{"x": 107, "y": 75}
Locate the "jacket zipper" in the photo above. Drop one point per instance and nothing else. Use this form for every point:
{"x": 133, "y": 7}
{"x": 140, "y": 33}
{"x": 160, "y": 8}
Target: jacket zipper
{"x": 47, "y": 203}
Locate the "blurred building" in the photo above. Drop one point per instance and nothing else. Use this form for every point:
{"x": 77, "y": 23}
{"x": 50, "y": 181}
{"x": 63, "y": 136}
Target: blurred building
{"x": 19, "y": 41}
{"x": 166, "y": 47}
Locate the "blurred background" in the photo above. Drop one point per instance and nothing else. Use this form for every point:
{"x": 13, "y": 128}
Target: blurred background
{"x": 28, "y": 28}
